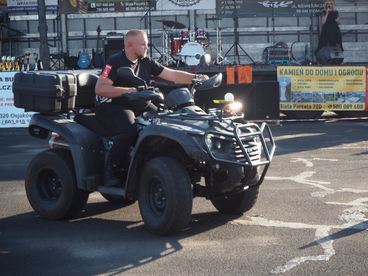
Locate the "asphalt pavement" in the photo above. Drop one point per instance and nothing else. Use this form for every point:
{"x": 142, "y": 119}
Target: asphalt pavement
{"x": 310, "y": 217}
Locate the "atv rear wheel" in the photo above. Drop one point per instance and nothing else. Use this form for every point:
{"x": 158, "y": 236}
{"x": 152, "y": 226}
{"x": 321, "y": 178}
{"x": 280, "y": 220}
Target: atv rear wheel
{"x": 240, "y": 203}
{"x": 51, "y": 186}
{"x": 165, "y": 196}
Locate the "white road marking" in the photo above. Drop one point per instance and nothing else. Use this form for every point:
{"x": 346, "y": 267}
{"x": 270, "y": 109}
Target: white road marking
{"x": 309, "y": 163}
{"x": 325, "y": 159}
{"x": 305, "y": 161}
{"x": 354, "y": 216}
{"x": 350, "y": 190}
{"x": 326, "y": 245}
{"x": 322, "y": 235}
{"x": 293, "y": 136}
{"x": 343, "y": 190}
{"x": 357, "y": 202}
{"x": 346, "y": 148}
{"x": 302, "y": 178}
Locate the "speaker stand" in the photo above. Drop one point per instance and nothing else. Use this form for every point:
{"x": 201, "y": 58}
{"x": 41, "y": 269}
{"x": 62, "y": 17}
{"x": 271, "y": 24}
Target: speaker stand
{"x": 236, "y": 44}
{"x": 151, "y": 45}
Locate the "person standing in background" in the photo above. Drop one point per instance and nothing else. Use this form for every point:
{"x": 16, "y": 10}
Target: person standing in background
{"x": 330, "y": 33}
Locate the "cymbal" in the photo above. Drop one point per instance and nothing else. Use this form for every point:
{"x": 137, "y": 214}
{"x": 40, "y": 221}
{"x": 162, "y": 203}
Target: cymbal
{"x": 172, "y": 24}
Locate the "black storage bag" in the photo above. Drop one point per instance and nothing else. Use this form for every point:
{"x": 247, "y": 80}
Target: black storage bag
{"x": 44, "y": 92}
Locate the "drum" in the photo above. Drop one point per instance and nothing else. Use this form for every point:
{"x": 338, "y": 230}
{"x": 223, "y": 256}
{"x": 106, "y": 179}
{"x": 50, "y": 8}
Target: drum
{"x": 201, "y": 37}
{"x": 191, "y": 53}
{"x": 175, "y": 45}
{"x": 184, "y": 36}
{"x": 201, "y": 34}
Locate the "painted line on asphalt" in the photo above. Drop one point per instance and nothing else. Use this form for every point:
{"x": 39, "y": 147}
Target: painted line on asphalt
{"x": 354, "y": 217}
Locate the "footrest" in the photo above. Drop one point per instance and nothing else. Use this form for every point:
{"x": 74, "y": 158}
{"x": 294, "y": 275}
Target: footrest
{"x": 112, "y": 190}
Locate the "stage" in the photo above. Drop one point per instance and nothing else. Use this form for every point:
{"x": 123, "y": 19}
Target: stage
{"x": 265, "y": 90}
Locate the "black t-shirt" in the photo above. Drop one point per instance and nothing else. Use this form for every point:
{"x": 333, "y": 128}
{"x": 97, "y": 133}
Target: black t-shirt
{"x": 143, "y": 68}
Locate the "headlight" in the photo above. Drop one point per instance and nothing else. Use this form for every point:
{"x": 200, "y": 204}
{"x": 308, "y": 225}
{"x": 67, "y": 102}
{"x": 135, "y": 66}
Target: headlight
{"x": 218, "y": 144}
{"x": 232, "y": 108}
{"x": 208, "y": 140}
{"x": 213, "y": 143}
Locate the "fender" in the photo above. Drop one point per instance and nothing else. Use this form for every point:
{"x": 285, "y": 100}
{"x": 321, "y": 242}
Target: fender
{"x": 86, "y": 147}
{"x": 151, "y": 133}
{"x": 188, "y": 143}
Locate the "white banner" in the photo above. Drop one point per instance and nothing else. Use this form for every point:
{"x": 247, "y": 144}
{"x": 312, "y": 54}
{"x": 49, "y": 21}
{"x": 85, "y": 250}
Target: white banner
{"x": 185, "y": 4}
{"x": 10, "y": 116}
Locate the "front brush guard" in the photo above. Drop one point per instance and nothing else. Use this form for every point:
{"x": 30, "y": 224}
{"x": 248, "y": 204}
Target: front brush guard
{"x": 245, "y": 149}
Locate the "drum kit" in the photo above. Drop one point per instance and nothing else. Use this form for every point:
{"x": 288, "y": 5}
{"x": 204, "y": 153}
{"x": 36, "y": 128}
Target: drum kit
{"x": 185, "y": 46}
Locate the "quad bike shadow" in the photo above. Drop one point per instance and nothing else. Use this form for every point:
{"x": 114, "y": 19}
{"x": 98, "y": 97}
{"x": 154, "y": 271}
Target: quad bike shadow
{"x": 125, "y": 245}
{"x": 181, "y": 151}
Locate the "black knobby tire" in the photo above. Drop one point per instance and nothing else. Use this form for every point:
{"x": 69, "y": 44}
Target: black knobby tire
{"x": 115, "y": 199}
{"x": 51, "y": 186}
{"x": 240, "y": 203}
{"x": 165, "y": 196}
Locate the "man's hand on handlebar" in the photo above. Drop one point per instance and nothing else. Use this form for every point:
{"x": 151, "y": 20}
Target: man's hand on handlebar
{"x": 201, "y": 77}
{"x": 131, "y": 89}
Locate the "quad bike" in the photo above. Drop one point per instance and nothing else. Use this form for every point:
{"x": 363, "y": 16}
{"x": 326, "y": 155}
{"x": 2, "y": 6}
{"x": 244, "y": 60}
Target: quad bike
{"x": 179, "y": 145}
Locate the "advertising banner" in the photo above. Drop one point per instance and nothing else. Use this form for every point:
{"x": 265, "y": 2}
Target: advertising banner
{"x": 185, "y": 4}
{"x": 96, "y": 6}
{"x": 92, "y": 6}
{"x": 10, "y": 116}
{"x": 323, "y": 88}
{"x": 30, "y": 5}
{"x": 269, "y": 7}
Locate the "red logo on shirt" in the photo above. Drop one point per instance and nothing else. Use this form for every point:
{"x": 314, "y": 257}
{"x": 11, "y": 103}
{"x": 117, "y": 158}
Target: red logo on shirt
{"x": 106, "y": 71}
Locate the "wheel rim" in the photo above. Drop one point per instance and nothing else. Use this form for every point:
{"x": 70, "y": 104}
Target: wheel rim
{"x": 49, "y": 185}
{"x": 156, "y": 196}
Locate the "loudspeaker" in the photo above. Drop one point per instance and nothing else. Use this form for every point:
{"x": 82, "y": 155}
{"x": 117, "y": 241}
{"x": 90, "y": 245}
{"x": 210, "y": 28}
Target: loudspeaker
{"x": 330, "y": 56}
{"x": 263, "y": 101}
{"x": 112, "y": 45}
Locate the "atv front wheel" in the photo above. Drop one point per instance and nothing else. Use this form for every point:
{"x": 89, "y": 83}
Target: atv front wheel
{"x": 165, "y": 196}
{"x": 51, "y": 186}
{"x": 240, "y": 203}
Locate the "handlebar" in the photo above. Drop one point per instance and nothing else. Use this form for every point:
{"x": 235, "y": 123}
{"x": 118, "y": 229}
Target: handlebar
{"x": 212, "y": 82}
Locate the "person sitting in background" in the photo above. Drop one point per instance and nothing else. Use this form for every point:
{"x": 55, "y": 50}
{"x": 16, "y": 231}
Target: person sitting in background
{"x": 330, "y": 33}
